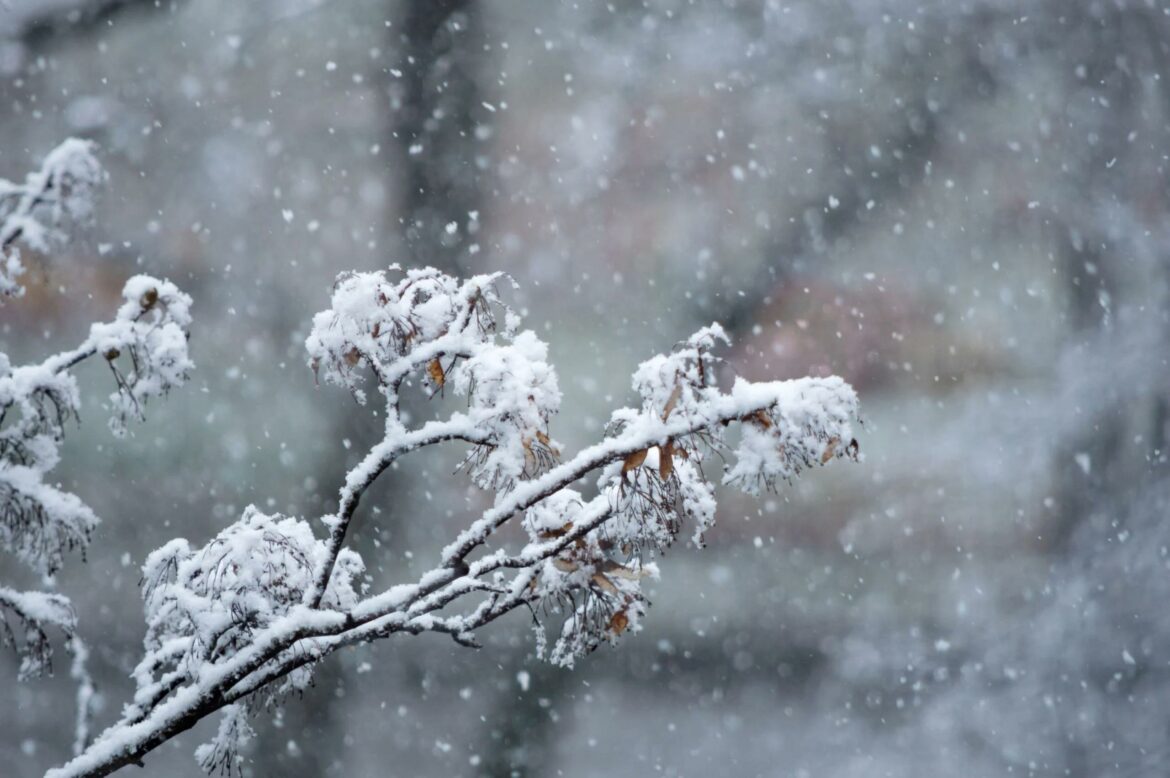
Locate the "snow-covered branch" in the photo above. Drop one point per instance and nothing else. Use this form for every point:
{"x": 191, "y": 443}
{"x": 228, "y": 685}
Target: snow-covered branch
{"x": 145, "y": 347}
{"x": 247, "y": 615}
{"x": 33, "y": 212}
{"x": 25, "y": 618}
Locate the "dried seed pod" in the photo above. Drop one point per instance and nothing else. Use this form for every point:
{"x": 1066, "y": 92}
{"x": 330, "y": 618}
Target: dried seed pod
{"x": 148, "y": 299}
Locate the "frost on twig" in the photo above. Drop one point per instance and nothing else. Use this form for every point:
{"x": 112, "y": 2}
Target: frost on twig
{"x": 145, "y": 347}
{"x": 249, "y": 614}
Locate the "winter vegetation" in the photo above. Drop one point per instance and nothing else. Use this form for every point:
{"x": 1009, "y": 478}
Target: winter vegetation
{"x": 958, "y": 208}
{"x": 145, "y": 347}
{"x": 245, "y": 617}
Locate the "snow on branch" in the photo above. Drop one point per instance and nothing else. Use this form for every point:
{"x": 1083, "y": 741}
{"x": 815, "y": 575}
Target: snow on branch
{"x": 249, "y": 614}
{"x": 33, "y": 212}
{"x": 25, "y": 618}
{"x": 145, "y": 348}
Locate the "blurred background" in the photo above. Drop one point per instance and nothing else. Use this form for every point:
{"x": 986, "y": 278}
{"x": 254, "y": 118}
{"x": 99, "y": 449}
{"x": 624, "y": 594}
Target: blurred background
{"x": 961, "y": 207}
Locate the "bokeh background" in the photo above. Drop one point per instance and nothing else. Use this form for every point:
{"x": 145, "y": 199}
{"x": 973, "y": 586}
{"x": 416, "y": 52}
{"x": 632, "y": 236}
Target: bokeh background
{"x": 960, "y": 206}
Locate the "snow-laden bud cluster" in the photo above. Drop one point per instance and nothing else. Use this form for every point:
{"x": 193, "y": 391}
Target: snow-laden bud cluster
{"x": 655, "y": 489}
{"x": 33, "y": 212}
{"x": 377, "y": 323}
{"x": 598, "y": 597}
{"x": 649, "y": 495}
{"x": 512, "y": 389}
{"x": 205, "y": 604}
{"x": 145, "y": 345}
{"x": 445, "y": 332}
{"x": 810, "y": 428}
{"x": 683, "y": 381}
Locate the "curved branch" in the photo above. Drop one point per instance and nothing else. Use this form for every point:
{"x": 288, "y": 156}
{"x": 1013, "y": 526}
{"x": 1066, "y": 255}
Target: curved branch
{"x": 363, "y": 476}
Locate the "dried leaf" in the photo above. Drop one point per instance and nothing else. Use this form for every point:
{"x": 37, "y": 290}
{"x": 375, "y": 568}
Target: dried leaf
{"x": 604, "y": 583}
{"x": 761, "y": 419}
{"x": 673, "y": 401}
{"x": 852, "y": 449}
{"x": 565, "y": 565}
{"x": 148, "y": 299}
{"x": 543, "y": 438}
{"x": 353, "y": 356}
{"x": 666, "y": 461}
{"x": 618, "y": 570}
{"x": 435, "y": 372}
{"x": 550, "y": 534}
{"x": 830, "y": 449}
{"x": 544, "y": 441}
{"x": 618, "y": 622}
{"x": 634, "y": 460}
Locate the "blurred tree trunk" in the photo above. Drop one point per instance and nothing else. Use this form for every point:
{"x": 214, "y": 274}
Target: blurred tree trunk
{"x": 1093, "y": 472}
{"x": 433, "y": 103}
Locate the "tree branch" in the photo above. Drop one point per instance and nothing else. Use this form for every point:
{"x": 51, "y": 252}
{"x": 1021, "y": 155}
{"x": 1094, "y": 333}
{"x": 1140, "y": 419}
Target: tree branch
{"x": 306, "y": 635}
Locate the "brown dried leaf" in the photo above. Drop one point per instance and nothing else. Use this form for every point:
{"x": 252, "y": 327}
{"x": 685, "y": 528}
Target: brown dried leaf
{"x": 435, "y": 373}
{"x": 565, "y": 565}
{"x": 618, "y": 570}
{"x": 543, "y": 438}
{"x": 666, "y": 461}
{"x": 761, "y": 419}
{"x": 148, "y": 299}
{"x": 604, "y": 583}
{"x": 634, "y": 460}
{"x": 353, "y": 356}
{"x": 550, "y": 534}
{"x": 618, "y": 622}
{"x": 830, "y": 449}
